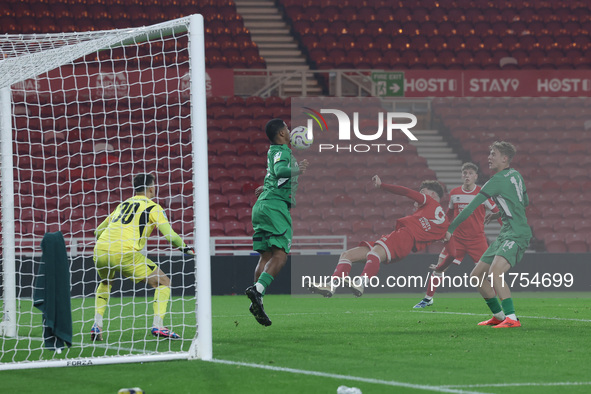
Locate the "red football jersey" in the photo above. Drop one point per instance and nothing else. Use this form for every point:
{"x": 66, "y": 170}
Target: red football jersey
{"x": 428, "y": 223}
{"x": 473, "y": 227}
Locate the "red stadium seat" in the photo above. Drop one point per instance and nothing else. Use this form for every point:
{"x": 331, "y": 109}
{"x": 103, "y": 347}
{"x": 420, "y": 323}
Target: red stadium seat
{"x": 216, "y": 229}
{"x": 235, "y": 229}
{"x": 373, "y": 213}
{"x": 362, "y": 226}
{"x": 341, "y": 227}
{"x": 582, "y": 226}
{"x": 331, "y": 214}
{"x": 555, "y": 243}
{"x": 217, "y": 201}
{"x": 238, "y": 201}
{"x": 300, "y": 228}
{"x": 576, "y": 243}
{"x": 226, "y": 214}
{"x": 220, "y": 175}
{"x": 341, "y": 201}
{"x": 562, "y": 226}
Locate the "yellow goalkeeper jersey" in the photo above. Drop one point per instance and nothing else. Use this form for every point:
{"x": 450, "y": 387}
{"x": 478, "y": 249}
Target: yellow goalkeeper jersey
{"x": 128, "y": 227}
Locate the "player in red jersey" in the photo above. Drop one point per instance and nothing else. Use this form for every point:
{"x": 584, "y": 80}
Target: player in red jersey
{"x": 413, "y": 233}
{"x": 470, "y": 238}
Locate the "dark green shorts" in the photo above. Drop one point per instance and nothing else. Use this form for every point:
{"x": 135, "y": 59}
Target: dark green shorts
{"x": 510, "y": 247}
{"x": 271, "y": 222}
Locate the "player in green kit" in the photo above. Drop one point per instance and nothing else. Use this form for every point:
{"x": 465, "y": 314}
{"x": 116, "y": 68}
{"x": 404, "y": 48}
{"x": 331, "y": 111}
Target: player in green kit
{"x": 271, "y": 219}
{"x": 507, "y": 189}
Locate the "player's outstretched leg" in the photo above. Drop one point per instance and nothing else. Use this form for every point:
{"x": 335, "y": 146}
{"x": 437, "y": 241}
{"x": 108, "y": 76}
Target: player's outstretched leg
{"x": 256, "y": 306}
{"x": 340, "y": 276}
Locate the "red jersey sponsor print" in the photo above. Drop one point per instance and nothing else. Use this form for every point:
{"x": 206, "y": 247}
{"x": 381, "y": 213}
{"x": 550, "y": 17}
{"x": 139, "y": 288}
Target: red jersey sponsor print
{"x": 473, "y": 227}
{"x": 428, "y": 223}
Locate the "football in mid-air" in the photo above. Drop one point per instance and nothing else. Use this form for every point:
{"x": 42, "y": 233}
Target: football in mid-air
{"x": 301, "y": 137}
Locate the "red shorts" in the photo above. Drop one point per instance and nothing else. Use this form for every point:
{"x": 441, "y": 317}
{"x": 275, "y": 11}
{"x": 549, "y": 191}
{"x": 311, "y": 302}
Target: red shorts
{"x": 398, "y": 244}
{"x": 474, "y": 248}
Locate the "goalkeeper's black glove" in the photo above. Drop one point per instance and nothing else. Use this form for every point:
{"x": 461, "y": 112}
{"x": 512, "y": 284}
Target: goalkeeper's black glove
{"x": 188, "y": 250}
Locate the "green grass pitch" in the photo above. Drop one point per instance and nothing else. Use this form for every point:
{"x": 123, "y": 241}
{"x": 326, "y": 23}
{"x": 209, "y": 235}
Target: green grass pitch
{"x": 378, "y": 344}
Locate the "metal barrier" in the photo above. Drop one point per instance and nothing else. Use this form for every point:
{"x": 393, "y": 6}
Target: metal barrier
{"x": 355, "y": 83}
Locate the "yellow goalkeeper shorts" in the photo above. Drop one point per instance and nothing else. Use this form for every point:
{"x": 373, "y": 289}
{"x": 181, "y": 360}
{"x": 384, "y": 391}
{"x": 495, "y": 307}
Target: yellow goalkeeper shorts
{"x": 132, "y": 265}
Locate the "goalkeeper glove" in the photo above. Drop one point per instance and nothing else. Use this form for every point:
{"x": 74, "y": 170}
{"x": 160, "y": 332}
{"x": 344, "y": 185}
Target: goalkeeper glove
{"x": 188, "y": 250}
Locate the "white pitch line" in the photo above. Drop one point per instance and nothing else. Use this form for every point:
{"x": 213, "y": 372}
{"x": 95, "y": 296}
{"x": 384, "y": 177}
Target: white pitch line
{"x": 520, "y": 384}
{"x": 438, "y": 389}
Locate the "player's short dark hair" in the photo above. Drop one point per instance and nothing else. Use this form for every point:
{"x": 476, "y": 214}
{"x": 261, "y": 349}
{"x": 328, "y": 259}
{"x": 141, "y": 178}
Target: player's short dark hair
{"x": 469, "y": 166}
{"x": 142, "y": 181}
{"x": 505, "y": 148}
{"x": 434, "y": 186}
{"x": 273, "y": 127}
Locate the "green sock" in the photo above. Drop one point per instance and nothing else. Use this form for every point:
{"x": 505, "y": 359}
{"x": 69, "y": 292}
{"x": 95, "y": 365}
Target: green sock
{"x": 265, "y": 280}
{"x": 508, "y": 307}
{"x": 494, "y": 305}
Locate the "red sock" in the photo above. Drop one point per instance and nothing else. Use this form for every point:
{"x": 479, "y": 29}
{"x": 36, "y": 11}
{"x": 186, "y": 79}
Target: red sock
{"x": 343, "y": 268}
{"x": 372, "y": 267}
{"x": 431, "y": 286}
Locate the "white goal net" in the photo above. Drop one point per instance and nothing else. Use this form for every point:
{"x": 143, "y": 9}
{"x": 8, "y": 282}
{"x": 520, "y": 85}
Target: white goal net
{"x": 80, "y": 115}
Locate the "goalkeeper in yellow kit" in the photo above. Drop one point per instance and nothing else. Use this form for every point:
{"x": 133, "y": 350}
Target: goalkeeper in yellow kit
{"x": 120, "y": 238}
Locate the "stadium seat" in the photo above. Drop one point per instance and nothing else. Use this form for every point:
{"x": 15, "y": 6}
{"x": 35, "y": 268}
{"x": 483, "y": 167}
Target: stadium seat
{"x": 231, "y": 188}
{"x": 226, "y": 214}
{"x": 217, "y": 201}
{"x": 238, "y": 202}
{"x": 300, "y": 228}
{"x": 576, "y": 243}
{"x": 322, "y": 201}
{"x": 216, "y": 229}
{"x": 373, "y": 213}
{"x": 555, "y": 243}
{"x": 582, "y": 226}
{"x": 331, "y": 214}
{"x": 563, "y": 227}
{"x": 341, "y": 201}
{"x": 341, "y": 227}
{"x": 220, "y": 175}
{"x": 235, "y": 229}
{"x": 383, "y": 226}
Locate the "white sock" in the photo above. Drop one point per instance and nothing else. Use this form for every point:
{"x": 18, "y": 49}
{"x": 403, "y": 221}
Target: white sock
{"x": 512, "y": 316}
{"x": 158, "y": 323}
{"x": 260, "y": 288}
{"x": 500, "y": 315}
{"x": 428, "y": 297}
{"x": 98, "y": 319}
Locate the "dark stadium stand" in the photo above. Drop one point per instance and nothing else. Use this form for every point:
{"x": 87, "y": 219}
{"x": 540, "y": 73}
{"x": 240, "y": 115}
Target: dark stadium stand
{"x": 444, "y": 34}
{"x": 227, "y": 41}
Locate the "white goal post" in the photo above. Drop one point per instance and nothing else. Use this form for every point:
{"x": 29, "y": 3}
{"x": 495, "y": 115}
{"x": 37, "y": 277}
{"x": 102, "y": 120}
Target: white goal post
{"x": 80, "y": 114}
